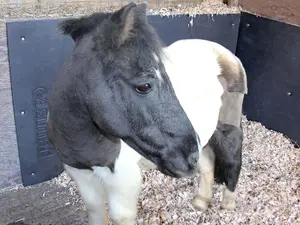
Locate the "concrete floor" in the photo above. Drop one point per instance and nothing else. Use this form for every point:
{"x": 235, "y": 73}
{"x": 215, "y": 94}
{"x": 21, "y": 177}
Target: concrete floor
{"x": 10, "y": 174}
{"x": 42, "y": 204}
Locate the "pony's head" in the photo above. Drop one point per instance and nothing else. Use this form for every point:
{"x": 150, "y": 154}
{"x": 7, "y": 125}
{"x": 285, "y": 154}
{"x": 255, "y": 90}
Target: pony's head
{"x": 118, "y": 58}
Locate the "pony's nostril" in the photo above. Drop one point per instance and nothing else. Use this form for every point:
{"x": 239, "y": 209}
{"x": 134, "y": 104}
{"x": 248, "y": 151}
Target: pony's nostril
{"x": 193, "y": 158}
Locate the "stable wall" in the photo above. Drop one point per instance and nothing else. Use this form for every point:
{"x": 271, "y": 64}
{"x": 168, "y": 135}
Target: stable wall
{"x": 287, "y": 11}
{"x": 11, "y": 150}
{"x": 273, "y": 81}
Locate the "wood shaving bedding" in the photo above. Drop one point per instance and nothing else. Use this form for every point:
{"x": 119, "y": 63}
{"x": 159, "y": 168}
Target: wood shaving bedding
{"x": 268, "y": 189}
{"x": 70, "y": 9}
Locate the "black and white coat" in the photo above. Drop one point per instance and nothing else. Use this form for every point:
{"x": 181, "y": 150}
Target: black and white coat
{"x": 218, "y": 86}
{"x": 210, "y": 83}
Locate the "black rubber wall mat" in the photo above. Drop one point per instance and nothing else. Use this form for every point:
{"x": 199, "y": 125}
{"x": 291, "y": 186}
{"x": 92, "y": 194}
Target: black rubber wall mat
{"x": 222, "y": 29}
{"x": 270, "y": 52}
{"x": 36, "y": 53}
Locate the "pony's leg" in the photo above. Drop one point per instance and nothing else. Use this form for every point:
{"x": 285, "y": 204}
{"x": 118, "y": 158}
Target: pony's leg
{"x": 232, "y": 163}
{"x": 206, "y": 167}
{"x": 229, "y": 199}
{"x": 123, "y": 193}
{"x": 92, "y": 193}
{"x": 229, "y": 192}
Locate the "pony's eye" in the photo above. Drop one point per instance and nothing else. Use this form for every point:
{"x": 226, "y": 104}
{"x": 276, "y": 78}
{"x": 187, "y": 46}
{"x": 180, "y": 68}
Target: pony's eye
{"x": 143, "y": 89}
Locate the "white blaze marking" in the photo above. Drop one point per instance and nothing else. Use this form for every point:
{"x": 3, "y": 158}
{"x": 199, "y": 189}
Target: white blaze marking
{"x": 158, "y": 74}
{"x": 156, "y": 57}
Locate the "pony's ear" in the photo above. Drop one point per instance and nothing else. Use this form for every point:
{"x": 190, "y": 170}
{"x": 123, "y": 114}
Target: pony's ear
{"x": 71, "y": 27}
{"x": 125, "y": 19}
{"x": 141, "y": 12}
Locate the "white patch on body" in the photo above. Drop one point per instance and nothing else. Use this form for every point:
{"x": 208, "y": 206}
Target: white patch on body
{"x": 128, "y": 159}
{"x": 92, "y": 193}
{"x": 123, "y": 186}
{"x": 193, "y": 70}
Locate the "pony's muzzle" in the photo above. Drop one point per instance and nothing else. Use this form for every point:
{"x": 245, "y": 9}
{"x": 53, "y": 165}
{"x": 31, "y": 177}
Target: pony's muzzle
{"x": 193, "y": 159}
{"x": 180, "y": 165}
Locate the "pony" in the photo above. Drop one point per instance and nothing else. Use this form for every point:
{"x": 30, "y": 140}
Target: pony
{"x": 125, "y": 102}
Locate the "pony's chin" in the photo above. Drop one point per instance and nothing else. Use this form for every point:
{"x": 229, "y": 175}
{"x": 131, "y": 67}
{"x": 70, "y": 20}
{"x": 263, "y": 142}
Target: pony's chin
{"x": 178, "y": 174}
